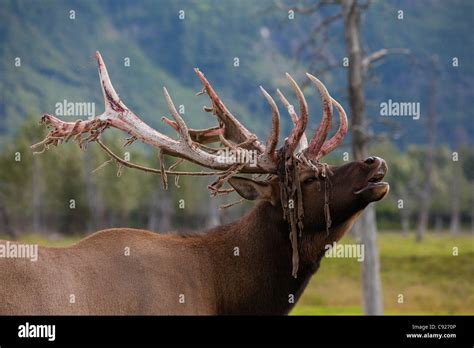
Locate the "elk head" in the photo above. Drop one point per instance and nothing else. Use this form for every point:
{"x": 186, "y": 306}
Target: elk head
{"x": 313, "y": 197}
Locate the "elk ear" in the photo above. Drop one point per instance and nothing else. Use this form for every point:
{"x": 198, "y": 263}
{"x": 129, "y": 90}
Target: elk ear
{"x": 252, "y": 190}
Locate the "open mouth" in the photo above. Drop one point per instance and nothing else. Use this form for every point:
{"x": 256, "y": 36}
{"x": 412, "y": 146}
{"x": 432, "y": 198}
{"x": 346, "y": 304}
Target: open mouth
{"x": 378, "y": 176}
{"x": 375, "y": 179}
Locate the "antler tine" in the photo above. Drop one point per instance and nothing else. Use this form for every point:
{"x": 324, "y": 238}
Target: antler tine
{"x": 201, "y": 136}
{"x": 233, "y": 129}
{"x": 303, "y": 144}
{"x": 111, "y": 98}
{"x": 298, "y": 130}
{"x": 182, "y": 127}
{"x": 338, "y": 137}
{"x": 289, "y": 107}
{"x": 323, "y": 129}
{"x": 118, "y": 115}
{"x": 273, "y": 138}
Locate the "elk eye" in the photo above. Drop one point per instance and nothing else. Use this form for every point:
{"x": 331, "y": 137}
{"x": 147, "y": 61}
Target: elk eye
{"x": 309, "y": 180}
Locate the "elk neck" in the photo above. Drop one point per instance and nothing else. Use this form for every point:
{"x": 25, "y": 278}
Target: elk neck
{"x": 251, "y": 263}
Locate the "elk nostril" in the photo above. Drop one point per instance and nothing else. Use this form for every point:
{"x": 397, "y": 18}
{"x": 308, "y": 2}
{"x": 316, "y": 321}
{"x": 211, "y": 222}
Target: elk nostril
{"x": 370, "y": 160}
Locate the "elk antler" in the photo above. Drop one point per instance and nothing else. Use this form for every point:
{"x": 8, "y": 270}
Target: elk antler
{"x": 323, "y": 130}
{"x": 338, "y": 137}
{"x": 118, "y": 115}
{"x": 191, "y": 144}
{"x": 233, "y": 130}
{"x": 318, "y": 147}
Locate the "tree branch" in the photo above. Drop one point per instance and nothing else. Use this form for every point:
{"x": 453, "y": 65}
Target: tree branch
{"x": 377, "y": 55}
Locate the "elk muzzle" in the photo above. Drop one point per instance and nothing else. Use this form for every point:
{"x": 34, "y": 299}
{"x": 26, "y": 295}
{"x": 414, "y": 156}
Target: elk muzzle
{"x": 374, "y": 189}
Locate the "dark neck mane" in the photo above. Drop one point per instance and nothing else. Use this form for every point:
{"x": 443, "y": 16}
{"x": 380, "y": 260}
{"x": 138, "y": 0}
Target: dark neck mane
{"x": 259, "y": 280}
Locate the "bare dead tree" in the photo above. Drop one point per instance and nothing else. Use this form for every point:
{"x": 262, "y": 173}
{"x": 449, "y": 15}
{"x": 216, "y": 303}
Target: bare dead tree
{"x": 93, "y": 199}
{"x": 5, "y": 219}
{"x": 459, "y": 143}
{"x": 426, "y": 194}
{"x": 468, "y": 169}
{"x": 213, "y": 218}
{"x": 159, "y": 214}
{"x": 359, "y": 65}
{"x": 404, "y": 213}
{"x": 455, "y": 220}
{"x": 36, "y": 196}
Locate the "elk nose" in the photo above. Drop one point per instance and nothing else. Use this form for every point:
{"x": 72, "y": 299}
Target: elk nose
{"x": 370, "y": 160}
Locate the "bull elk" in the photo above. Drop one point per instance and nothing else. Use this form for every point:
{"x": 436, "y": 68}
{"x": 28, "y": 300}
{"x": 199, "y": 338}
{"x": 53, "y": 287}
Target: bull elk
{"x": 302, "y": 206}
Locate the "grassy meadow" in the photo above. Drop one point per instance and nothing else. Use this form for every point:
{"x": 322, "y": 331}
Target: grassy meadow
{"x": 431, "y": 279}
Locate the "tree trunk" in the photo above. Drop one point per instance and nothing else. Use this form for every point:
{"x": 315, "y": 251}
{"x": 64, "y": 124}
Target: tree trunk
{"x": 355, "y": 232}
{"x": 224, "y": 214}
{"x": 472, "y": 208}
{"x": 405, "y": 212}
{"x": 213, "y": 218}
{"x": 405, "y": 220}
{"x": 94, "y": 222}
{"x": 455, "y": 201}
{"x": 372, "y": 285}
{"x": 460, "y": 142}
{"x": 425, "y": 203}
{"x": 371, "y": 282}
{"x": 36, "y": 196}
{"x": 159, "y": 216}
{"x": 153, "y": 211}
{"x": 5, "y": 220}
{"x": 438, "y": 227}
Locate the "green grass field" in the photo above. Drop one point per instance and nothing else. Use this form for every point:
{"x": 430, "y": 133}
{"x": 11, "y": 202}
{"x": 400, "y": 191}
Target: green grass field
{"x": 431, "y": 279}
